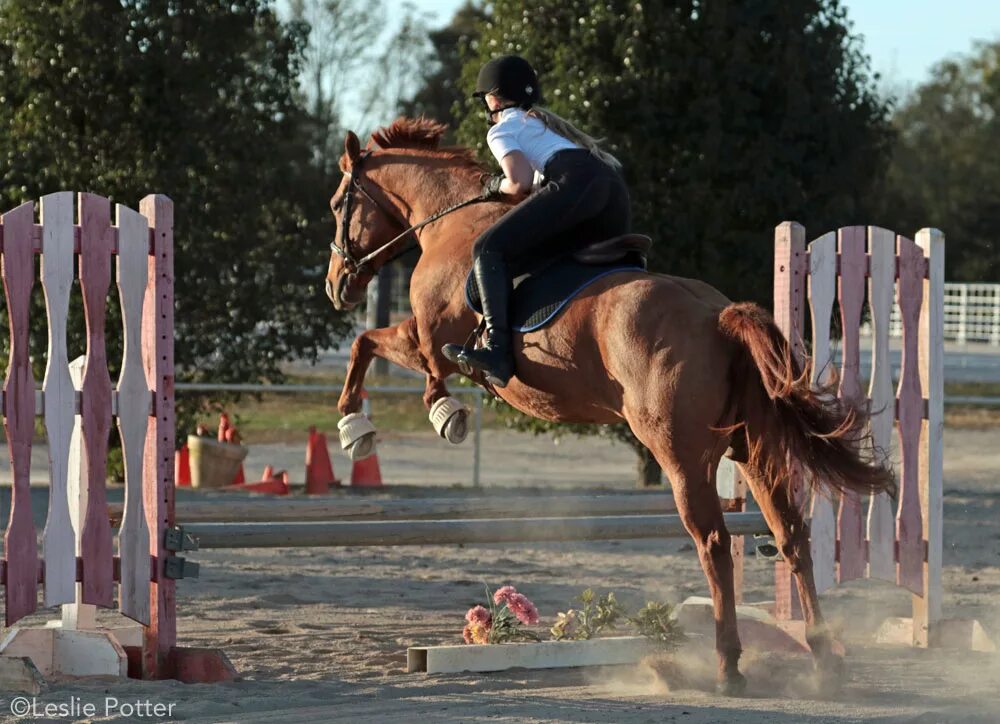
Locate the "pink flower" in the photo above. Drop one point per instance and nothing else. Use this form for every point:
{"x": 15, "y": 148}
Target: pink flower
{"x": 523, "y": 608}
{"x": 501, "y": 595}
{"x": 476, "y": 633}
{"x": 478, "y": 614}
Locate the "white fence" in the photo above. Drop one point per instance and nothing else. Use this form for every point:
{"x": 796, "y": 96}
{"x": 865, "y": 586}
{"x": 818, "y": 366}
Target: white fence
{"x": 971, "y": 313}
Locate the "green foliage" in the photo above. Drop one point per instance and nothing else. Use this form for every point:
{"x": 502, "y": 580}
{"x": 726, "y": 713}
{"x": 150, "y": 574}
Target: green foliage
{"x": 197, "y": 100}
{"x": 440, "y": 89}
{"x": 596, "y": 615}
{"x": 944, "y": 171}
{"x": 729, "y": 117}
{"x": 656, "y": 621}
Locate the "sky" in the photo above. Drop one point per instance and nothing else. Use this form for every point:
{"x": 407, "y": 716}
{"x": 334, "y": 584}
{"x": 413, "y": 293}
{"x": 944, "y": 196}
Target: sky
{"x": 903, "y": 37}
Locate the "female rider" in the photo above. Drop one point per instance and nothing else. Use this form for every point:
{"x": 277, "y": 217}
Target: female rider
{"x": 581, "y": 186}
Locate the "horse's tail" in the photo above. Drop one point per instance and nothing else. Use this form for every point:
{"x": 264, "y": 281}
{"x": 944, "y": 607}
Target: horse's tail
{"x": 786, "y": 420}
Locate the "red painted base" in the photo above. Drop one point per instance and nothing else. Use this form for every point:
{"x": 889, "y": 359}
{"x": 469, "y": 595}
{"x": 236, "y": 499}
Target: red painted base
{"x": 188, "y": 665}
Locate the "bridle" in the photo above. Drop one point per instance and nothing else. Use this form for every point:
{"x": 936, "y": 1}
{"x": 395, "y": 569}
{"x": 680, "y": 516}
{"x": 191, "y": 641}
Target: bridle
{"x": 358, "y": 266}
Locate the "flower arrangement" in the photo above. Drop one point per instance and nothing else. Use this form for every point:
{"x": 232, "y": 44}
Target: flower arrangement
{"x": 596, "y": 614}
{"x": 508, "y": 612}
{"x": 656, "y": 622}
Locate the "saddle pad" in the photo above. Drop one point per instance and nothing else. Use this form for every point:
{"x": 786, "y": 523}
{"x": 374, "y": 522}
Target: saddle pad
{"x": 540, "y": 296}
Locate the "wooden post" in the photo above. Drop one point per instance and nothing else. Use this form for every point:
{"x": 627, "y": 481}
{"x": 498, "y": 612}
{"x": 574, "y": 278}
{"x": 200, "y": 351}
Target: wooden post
{"x": 158, "y": 468}
{"x": 927, "y": 608}
{"x": 790, "y": 273}
{"x": 732, "y": 490}
{"x": 60, "y": 545}
{"x": 77, "y": 616}
{"x": 20, "y": 544}
{"x": 383, "y": 309}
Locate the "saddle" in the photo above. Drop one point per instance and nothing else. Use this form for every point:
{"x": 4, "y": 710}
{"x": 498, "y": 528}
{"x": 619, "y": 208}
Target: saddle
{"x": 615, "y": 249}
{"x": 540, "y": 294}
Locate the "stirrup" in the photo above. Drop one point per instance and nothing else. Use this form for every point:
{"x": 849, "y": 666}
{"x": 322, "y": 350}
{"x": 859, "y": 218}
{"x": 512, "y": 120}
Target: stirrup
{"x": 490, "y": 370}
{"x": 455, "y": 353}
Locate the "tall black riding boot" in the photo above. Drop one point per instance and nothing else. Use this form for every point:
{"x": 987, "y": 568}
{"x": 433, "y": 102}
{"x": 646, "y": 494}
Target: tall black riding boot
{"x": 495, "y": 358}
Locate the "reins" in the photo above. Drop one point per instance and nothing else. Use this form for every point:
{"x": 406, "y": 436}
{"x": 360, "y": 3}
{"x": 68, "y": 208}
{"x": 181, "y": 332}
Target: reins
{"x": 357, "y": 265}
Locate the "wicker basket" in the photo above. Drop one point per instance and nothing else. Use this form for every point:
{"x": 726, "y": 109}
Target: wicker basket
{"x": 213, "y": 464}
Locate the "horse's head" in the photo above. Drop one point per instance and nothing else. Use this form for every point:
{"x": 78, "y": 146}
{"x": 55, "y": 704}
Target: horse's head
{"x": 363, "y": 225}
{"x": 378, "y": 194}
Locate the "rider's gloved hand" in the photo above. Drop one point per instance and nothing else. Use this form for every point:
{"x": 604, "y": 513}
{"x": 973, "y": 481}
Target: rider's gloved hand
{"x": 491, "y": 186}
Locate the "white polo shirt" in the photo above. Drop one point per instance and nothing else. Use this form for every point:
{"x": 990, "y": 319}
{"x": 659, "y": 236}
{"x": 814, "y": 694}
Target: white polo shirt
{"x": 515, "y": 130}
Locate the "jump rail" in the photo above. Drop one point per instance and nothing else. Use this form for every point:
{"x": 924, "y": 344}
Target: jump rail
{"x": 445, "y": 532}
{"x": 325, "y": 508}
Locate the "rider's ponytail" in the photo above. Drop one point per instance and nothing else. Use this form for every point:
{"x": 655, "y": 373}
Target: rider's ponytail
{"x": 566, "y": 129}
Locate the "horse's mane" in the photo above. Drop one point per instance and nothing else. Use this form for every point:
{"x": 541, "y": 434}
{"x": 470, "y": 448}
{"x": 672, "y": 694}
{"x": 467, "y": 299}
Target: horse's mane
{"x": 422, "y": 134}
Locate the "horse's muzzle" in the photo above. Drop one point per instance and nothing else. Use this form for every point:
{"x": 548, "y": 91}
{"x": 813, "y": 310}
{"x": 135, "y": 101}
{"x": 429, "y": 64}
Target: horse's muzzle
{"x": 342, "y": 294}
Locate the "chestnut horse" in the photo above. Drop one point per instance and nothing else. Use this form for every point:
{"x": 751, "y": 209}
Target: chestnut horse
{"x": 690, "y": 372}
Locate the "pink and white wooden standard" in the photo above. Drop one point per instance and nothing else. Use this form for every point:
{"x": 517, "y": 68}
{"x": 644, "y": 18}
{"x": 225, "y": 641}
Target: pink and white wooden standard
{"x": 855, "y": 538}
{"x": 78, "y": 568}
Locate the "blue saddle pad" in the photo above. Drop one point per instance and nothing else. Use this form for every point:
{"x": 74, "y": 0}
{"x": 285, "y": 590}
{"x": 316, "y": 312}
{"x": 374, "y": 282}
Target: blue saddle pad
{"x": 539, "y": 296}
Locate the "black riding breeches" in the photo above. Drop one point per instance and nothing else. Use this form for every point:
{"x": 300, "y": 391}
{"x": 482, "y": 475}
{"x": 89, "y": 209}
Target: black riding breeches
{"x": 582, "y": 201}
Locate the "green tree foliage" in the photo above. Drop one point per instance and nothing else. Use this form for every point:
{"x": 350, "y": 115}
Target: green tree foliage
{"x": 441, "y": 91}
{"x": 729, "y": 117}
{"x": 944, "y": 171}
{"x": 197, "y": 100}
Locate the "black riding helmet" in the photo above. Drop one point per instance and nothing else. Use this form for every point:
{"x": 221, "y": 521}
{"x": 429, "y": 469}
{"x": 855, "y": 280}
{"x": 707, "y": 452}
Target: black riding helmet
{"x": 511, "y": 77}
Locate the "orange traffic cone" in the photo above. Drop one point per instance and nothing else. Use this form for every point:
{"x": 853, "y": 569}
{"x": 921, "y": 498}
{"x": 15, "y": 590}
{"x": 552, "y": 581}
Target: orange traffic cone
{"x": 366, "y": 473}
{"x": 182, "y": 468}
{"x": 232, "y": 436}
{"x": 271, "y": 482}
{"x": 319, "y": 467}
{"x": 224, "y": 427}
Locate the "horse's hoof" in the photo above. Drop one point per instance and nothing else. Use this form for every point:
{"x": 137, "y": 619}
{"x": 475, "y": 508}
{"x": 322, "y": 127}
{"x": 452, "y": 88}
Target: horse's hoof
{"x": 830, "y": 675}
{"x": 363, "y": 448}
{"x": 357, "y": 435}
{"x": 450, "y": 419}
{"x": 732, "y": 685}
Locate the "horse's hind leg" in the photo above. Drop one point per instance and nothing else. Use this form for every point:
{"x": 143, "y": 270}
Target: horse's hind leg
{"x": 791, "y": 535}
{"x": 691, "y": 465}
{"x": 701, "y": 512}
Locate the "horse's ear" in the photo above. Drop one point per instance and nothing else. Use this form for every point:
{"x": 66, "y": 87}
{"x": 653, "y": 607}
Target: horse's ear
{"x": 352, "y": 147}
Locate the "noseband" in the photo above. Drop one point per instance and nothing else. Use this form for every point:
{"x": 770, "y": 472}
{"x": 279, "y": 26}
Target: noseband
{"x": 358, "y": 266}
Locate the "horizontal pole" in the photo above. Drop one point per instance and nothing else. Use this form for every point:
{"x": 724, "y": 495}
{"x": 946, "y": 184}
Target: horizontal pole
{"x": 293, "y": 389}
{"x": 972, "y": 400}
{"x": 444, "y": 532}
{"x": 234, "y": 509}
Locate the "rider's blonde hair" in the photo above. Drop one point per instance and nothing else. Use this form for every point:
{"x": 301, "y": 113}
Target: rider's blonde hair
{"x": 567, "y": 130}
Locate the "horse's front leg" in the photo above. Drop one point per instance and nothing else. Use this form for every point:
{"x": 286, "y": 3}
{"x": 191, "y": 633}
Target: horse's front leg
{"x": 399, "y": 345}
{"x": 396, "y": 344}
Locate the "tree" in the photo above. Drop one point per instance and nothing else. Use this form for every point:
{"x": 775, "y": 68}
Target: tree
{"x": 729, "y": 117}
{"x": 339, "y": 48}
{"x": 440, "y": 91}
{"x": 197, "y": 100}
{"x": 944, "y": 171}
